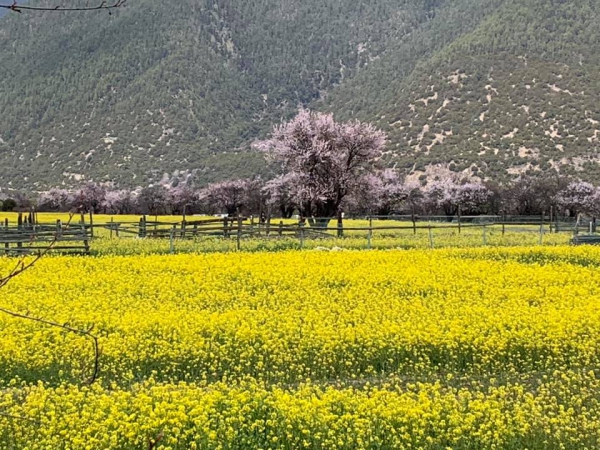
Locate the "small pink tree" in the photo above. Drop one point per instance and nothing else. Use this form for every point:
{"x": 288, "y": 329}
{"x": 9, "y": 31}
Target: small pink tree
{"x": 326, "y": 160}
{"x": 154, "y": 200}
{"x": 578, "y": 197}
{"x": 119, "y": 202}
{"x": 383, "y": 193}
{"x": 90, "y": 197}
{"x": 182, "y": 199}
{"x": 279, "y": 194}
{"x": 473, "y": 198}
{"x": 55, "y": 200}
{"x": 448, "y": 196}
{"x": 231, "y": 196}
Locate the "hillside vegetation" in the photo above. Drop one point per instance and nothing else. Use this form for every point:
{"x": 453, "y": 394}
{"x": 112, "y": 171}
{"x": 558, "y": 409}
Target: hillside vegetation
{"x": 491, "y": 88}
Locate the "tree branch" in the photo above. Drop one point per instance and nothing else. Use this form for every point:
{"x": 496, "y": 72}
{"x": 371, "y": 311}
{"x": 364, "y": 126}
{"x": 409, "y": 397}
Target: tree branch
{"x": 16, "y": 7}
{"x": 21, "y": 267}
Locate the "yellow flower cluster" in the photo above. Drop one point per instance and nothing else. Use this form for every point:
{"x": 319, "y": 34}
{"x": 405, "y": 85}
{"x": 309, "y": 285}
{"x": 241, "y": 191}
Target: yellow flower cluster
{"x": 457, "y": 348}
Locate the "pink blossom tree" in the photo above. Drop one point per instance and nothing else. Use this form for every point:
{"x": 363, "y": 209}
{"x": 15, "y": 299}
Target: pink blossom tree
{"x": 328, "y": 161}
{"x": 579, "y": 197}
{"x": 473, "y": 198}
{"x": 384, "y": 193}
{"x": 448, "y": 196}
{"x": 119, "y": 202}
{"x": 279, "y": 194}
{"x": 89, "y": 198}
{"x": 232, "y": 196}
{"x": 55, "y": 200}
{"x": 182, "y": 199}
{"x": 154, "y": 200}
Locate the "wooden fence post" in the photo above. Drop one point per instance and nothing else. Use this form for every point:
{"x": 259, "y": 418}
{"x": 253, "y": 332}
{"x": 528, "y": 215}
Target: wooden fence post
{"x": 91, "y": 224}
{"x": 340, "y": 224}
{"x": 172, "y": 240}
{"x": 370, "y": 233}
{"x": 280, "y": 228}
{"x": 20, "y": 227}
{"x": 112, "y": 221}
{"x": 142, "y": 229}
{"x": 459, "y": 228}
{"x": 6, "y": 244}
{"x": 86, "y": 243}
{"x": 414, "y": 223}
{"x": 239, "y": 232}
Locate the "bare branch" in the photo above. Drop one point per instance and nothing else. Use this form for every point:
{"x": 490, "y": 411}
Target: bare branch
{"x": 16, "y": 7}
{"x": 21, "y": 267}
{"x": 152, "y": 443}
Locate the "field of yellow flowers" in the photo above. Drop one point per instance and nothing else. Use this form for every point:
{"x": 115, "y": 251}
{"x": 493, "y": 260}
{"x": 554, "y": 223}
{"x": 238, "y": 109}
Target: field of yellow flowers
{"x": 400, "y": 349}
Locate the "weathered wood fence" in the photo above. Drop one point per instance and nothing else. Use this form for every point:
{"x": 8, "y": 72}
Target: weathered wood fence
{"x": 28, "y": 236}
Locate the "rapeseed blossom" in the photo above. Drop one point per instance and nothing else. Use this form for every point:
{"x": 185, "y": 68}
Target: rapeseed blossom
{"x": 457, "y": 348}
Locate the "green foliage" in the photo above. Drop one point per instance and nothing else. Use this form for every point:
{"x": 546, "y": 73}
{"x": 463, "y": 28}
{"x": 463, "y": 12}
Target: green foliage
{"x": 8, "y": 204}
{"x": 185, "y": 87}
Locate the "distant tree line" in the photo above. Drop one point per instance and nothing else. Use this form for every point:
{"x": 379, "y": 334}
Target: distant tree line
{"x": 388, "y": 193}
{"x": 325, "y": 168}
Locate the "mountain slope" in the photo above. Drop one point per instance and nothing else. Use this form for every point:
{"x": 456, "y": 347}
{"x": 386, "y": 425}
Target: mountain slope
{"x": 491, "y": 88}
{"x": 165, "y": 86}
{"x": 515, "y": 94}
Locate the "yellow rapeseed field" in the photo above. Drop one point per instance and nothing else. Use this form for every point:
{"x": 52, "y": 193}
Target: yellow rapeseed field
{"x": 400, "y": 349}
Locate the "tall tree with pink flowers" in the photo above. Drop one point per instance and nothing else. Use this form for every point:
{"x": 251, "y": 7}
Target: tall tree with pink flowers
{"x": 328, "y": 161}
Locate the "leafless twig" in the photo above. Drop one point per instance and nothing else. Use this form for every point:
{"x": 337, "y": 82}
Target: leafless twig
{"x": 17, "y": 7}
{"x": 21, "y": 267}
{"x": 152, "y": 443}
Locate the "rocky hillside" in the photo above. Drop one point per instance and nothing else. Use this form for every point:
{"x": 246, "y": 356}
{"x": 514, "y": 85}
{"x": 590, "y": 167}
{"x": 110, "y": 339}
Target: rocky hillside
{"x": 516, "y": 91}
{"x": 180, "y": 89}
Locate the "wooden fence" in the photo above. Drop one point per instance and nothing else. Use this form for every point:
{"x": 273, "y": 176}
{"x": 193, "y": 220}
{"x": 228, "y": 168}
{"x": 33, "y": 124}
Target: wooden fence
{"x": 241, "y": 228}
{"x": 29, "y": 237}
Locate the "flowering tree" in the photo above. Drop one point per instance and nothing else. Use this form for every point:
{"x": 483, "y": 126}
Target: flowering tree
{"x": 279, "y": 194}
{"x": 90, "y": 197}
{"x": 578, "y": 197}
{"x": 473, "y": 198}
{"x": 154, "y": 200}
{"x": 528, "y": 196}
{"x": 442, "y": 195}
{"x": 326, "y": 160}
{"x": 182, "y": 199}
{"x": 119, "y": 202}
{"x": 56, "y": 200}
{"x": 231, "y": 196}
{"x": 448, "y": 196}
{"x": 383, "y": 193}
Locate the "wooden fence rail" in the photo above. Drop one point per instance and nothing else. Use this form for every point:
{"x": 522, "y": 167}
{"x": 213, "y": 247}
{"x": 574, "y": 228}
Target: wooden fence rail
{"x": 30, "y": 238}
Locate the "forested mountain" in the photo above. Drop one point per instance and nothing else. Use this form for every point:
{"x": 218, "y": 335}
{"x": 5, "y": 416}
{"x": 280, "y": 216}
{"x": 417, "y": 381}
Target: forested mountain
{"x": 515, "y": 90}
{"x": 488, "y": 87}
